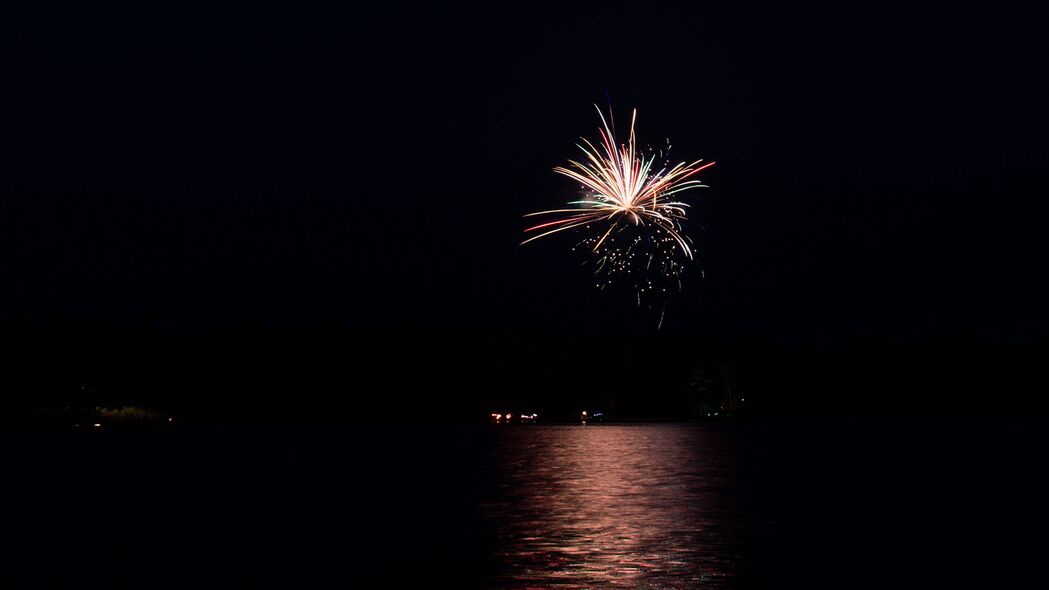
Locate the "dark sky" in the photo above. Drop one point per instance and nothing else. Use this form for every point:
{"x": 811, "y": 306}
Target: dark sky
{"x": 880, "y": 170}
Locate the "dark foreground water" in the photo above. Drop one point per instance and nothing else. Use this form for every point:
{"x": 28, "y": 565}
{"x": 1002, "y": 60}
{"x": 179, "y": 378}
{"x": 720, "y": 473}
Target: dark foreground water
{"x": 888, "y": 504}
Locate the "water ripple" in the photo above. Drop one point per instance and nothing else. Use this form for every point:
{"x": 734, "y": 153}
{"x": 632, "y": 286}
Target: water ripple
{"x": 644, "y": 506}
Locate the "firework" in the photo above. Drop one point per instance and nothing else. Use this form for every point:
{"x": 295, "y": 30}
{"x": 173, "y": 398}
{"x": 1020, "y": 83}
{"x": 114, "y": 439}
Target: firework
{"x": 630, "y": 213}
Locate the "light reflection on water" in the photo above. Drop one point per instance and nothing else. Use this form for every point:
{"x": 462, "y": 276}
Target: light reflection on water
{"x": 634, "y": 506}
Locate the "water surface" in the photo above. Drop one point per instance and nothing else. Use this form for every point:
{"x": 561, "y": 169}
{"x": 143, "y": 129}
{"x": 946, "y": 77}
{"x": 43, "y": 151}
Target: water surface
{"x": 612, "y": 506}
{"x": 758, "y": 505}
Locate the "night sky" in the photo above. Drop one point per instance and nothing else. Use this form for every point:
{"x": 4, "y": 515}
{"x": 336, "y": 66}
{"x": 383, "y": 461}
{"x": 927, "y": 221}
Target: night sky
{"x": 360, "y": 171}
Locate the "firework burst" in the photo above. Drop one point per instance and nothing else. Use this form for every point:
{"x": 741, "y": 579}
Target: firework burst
{"x": 630, "y": 213}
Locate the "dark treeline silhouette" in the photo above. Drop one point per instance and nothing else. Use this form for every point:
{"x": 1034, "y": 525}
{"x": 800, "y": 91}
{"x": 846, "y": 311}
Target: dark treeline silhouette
{"x": 254, "y": 373}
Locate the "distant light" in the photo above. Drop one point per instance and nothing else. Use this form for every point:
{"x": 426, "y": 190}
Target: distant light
{"x": 170, "y": 419}
{"x": 97, "y": 425}
{"x": 584, "y": 412}
{"x": 508, "y": 416}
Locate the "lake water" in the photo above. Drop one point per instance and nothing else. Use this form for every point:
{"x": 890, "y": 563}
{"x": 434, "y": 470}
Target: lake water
{"x": 833, "y": 505}
{"x": 646, "y": 506}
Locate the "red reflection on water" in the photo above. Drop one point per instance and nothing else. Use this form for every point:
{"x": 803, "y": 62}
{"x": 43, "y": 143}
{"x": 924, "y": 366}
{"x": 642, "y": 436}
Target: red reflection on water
{"x": 612, "y": 506}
